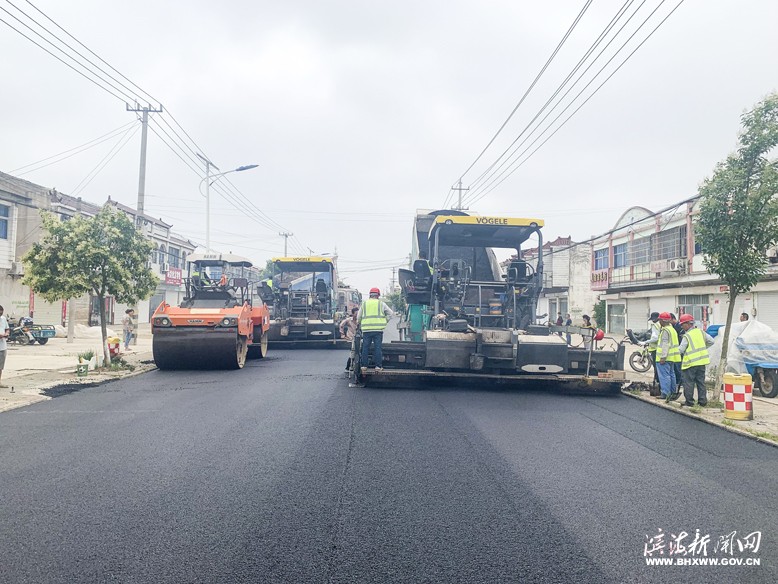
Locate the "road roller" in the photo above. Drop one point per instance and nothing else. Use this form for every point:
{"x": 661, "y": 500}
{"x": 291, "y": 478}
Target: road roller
{"x": 219, "y": 323}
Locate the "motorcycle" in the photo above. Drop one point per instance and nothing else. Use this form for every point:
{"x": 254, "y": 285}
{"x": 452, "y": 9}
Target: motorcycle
{"x": 20, "y": 334}
{"x": 640, "y": 360}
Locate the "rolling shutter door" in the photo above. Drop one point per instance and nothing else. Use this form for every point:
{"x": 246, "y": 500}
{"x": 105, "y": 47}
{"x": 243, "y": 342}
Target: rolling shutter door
{"x": 637, "y": 314}
{"x": 767, "y": 309}
{"x": 47, "y": 312}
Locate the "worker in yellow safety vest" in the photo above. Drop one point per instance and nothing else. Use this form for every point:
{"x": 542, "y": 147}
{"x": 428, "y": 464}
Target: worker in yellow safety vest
{"x": 667, "y": 353}
{"x": 694, "y": 348}
{"x": 372, "y": 318}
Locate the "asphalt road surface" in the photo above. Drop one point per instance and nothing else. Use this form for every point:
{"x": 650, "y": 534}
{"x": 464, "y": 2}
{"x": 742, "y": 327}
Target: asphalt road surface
{"x": 282, "y": 473}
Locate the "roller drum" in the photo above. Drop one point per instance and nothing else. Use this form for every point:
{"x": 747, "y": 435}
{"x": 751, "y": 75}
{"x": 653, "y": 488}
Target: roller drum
{"x": 199, "y": 348}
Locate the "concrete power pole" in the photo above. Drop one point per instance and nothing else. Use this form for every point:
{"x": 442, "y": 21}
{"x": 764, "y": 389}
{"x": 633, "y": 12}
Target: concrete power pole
{"x": 459, "y": 190}
{"x": 394, "y": 270}
{"x": 142, "y": 173}
{"x": 139, "y": 210}
{"x": 286, "y": 237}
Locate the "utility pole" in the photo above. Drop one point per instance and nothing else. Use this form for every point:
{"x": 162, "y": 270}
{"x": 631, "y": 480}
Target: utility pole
{"x": 459, "y": 190}
{"x": 394, "y": 270}
{"x": 141, "y": 179}
{"x": 143, "y": 140}
{"x": 207, "y": 180}
{"x": 286, "y": 237}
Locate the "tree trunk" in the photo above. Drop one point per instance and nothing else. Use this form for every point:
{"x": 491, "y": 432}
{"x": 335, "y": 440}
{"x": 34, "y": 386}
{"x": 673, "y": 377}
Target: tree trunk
{"x": 724, "y": 346}
{"x": 104, "y": 331}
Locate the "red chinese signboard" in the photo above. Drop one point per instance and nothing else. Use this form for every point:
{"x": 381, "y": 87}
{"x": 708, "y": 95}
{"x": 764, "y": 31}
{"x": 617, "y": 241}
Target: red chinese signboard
{"x": 173, "y": 276}
{"x": 600, "y": 279}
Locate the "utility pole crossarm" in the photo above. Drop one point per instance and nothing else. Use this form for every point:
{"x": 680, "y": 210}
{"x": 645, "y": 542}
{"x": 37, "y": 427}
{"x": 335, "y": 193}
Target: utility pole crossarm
{"x": 286, "y": 237}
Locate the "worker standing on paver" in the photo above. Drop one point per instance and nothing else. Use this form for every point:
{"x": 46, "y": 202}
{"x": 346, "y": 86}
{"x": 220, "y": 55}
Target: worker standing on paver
{"x": 694, "y": 349}
{"x": 372, "y": 318}
{"x": 668, "y": 355}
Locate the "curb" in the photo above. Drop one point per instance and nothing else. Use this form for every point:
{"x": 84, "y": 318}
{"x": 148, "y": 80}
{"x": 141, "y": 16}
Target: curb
{"x": 733, "y": 429}
{"x": 139, "y": 370}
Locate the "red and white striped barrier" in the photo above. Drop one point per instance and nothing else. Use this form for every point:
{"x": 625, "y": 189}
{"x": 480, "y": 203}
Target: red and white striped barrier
{"x": 738, "y": 397}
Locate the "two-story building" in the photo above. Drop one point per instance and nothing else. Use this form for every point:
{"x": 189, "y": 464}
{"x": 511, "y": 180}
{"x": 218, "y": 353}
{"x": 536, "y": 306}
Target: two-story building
{"x": 653, "y": 263}
{"x": 20, "y": 226}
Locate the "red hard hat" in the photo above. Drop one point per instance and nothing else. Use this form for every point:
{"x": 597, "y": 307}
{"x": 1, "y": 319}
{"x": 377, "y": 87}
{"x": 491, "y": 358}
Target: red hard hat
{"x": 664, "y": 316}
{"x": 375, "y": 291}
{"x": 599, "y": 335}
{"x": 686, "y": 318}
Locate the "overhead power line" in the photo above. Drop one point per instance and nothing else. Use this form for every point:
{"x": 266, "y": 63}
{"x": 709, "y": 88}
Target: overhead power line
{"x": 515, "y": 164}
{"x": 527, "y": 92}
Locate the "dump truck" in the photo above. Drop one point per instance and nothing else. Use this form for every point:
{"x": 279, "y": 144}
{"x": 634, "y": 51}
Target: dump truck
{"x": 467, "y": 320}
{"x": 302, "y": 298}
{"x": 219, "y": 323}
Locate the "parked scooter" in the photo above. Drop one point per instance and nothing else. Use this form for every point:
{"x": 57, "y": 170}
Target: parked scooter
{"x": 640, "y": 360}
{"x": 20, "y": 334}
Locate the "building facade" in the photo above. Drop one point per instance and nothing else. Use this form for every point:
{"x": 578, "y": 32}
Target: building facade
{"x": 653, "y": 263}
{"x": 21, "y": 203}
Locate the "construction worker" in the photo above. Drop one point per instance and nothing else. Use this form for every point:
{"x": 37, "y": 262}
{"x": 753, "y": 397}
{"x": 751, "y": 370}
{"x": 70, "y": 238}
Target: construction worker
{"x": 667, "y": 353}
{"x": 694, "y": 349}
{"x": 223, "y": 280}
{"x": 372, "y": 318}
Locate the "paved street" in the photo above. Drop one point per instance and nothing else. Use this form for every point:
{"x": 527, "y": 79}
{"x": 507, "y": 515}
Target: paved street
{"x": 281, "y": 473}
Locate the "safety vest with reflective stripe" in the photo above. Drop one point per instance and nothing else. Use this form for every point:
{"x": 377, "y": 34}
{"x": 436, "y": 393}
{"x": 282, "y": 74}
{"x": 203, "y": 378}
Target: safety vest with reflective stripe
{"x": 696, "y": 352}
{"x": 372, "y": 315}
{"x": 658, "y": 327}
{"x": 673, "y": 352}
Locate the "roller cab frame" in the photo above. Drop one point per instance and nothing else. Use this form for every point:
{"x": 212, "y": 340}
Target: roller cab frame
{"x": 303, "y": 303}
{"x": 218, "y": 324}
{"x": 467, "y": 320}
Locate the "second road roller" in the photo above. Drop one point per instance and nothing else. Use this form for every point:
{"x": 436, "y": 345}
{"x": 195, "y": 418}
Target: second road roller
{"x": 218, "y": 324}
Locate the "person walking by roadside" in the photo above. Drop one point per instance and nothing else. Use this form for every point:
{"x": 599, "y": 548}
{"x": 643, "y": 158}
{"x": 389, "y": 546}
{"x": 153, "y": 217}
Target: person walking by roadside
{"x": 667, "y": 354}
{"x": 372, "y": 318}
{"x": 4, "y": 331}
{"x": 128, "y": 327}
{"x": 569, "y": 322}
{"x": 559, "y": 322}
{"x": 348, "y": 326}
{"x": 694, "y": 351}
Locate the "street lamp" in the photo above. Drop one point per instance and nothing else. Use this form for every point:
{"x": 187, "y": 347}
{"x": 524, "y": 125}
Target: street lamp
{"x": 208, "y": 182}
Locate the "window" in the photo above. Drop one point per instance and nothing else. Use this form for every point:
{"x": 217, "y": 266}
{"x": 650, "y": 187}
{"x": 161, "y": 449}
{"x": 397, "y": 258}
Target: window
{"x": 183, "y": 260}
{"x": 5, "y": 213}
{"x": 162, "y": 254}
{"x": 173, "y": 255}
{"x": 616, "y": 318}
{"x": 601, "y": 259}
{"x": 669, "y": 244}
{"x": 154, "y": 254}
{"x": 640, "y": 251}
{"x": 620, "y": 255}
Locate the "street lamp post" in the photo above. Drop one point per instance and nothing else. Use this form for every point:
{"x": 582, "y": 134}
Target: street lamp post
{"x": 208, "y": 182}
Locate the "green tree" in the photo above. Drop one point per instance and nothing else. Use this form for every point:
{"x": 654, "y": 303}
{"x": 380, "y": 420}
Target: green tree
{"x": 599, "y": 314}
{"x": 738, "y": 217}
{"x": 395, "y": 301}
{"x": 101, "y": 255}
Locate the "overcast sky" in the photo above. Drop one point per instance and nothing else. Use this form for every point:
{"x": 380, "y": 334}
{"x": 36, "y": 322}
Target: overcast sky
{"x": 358, "y": 113}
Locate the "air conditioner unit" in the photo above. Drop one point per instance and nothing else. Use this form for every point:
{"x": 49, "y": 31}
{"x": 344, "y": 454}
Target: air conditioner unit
{"x": 17, "y": 269}
{"x": 677, "y": 265}
{"x": 164, "y": 268}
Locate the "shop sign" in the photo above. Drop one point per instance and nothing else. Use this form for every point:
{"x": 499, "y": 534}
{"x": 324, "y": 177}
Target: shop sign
{"x": 173, "y": 276}
{"x": 600, "y": 279}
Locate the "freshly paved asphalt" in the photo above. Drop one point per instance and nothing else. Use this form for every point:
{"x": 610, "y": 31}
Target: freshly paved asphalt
{"x": 282, "y": 473}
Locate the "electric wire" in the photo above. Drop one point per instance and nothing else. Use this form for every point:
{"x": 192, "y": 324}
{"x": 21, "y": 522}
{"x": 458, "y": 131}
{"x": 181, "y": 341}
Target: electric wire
{"x": 120, "y": 144}
{"x": 75, "y": 150}
{"x": 527, "y": 92}
{"x": 495, "y": 185}
{"x": 603, "y": 34}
